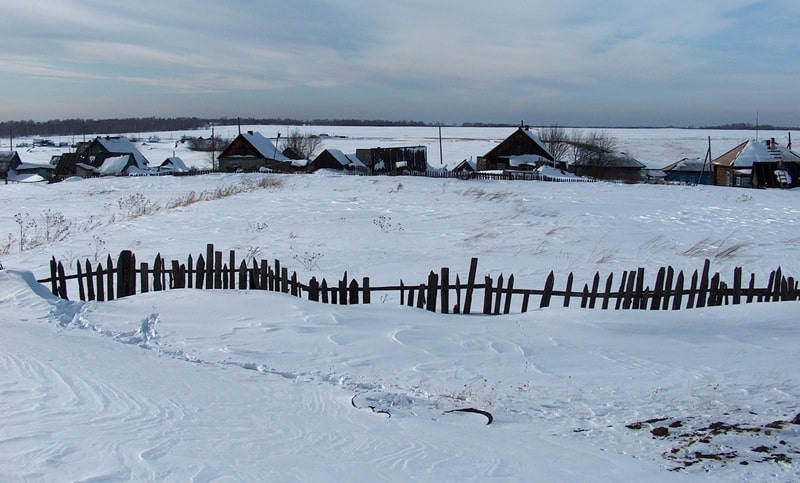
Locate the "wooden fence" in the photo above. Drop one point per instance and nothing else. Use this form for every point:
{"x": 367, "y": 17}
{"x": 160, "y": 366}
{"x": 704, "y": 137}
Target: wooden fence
{"x": 505, "y": 175}
{"x": 669, "y": 291}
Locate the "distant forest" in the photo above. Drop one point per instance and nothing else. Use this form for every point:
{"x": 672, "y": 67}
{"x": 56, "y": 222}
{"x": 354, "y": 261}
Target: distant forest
{"x": 77, "y": 127}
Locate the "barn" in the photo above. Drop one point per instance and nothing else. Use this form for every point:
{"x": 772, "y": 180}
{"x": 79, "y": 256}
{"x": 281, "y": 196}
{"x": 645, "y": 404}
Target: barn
{"x": 609, "y": 165}
{"x": 336, "y": 159}
{"x": 689, "y": 171}
{"x": 394, "y": 160}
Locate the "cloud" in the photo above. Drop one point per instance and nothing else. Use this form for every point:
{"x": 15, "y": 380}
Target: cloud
{"x": 435, "y": 57}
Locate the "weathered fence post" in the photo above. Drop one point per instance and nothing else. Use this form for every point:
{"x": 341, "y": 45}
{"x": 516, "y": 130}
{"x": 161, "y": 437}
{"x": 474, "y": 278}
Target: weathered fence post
{"x": 548, "y": 290}
{"x": 473, "y": 269}
{"x": 445, "y": 296}
{"x": 124, "y": 274}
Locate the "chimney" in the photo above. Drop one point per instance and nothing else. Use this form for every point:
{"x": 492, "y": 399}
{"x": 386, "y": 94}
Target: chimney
{"x": 250, "y": 132}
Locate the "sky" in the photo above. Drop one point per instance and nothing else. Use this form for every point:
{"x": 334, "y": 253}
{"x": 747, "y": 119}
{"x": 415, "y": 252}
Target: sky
{"x": 625, "y": 63}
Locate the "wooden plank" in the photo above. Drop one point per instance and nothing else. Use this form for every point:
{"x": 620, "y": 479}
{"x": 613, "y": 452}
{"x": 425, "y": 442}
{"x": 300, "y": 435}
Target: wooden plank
{"x": 224, "y": 276}
{"x": 209, "y": 266}
{"x": 621, "y": 290}
{"x": 629, "y": 289}
{"x": 473, "y": 269}
{"x": 525, "y": 300}
{"x": 54, "y": 276}
{"x": 445, "y": 289}
{"x": 585, "y": 296}
{"x": 323, "y": 288}
{"x": 639, "y": 301}
{"x": 667, "y": 288}
{"x": 294, "y": 287}
{"x": 343, "y": 290}
{"x": 548, "y": 290}
{"x": 352, "y": 292}
{"x": 692, "y": 292}
{"x": 285, "y": 279}
{"x": 217, "y": 269}
{"x": 189, "y": 271}
{"x": 275, "y": 286}
{"x": 433, "y": 286}
{"x": 658, "y": 290}
{"x": 90, "y": 281}
{"x": 595, "y": 286}
{"x": 109, "y": 278}
{"x": 509, "y": 293}
{"x": 81, "y": 291}
{"x": 737, "y": 285}
{"x": 232, "y": 272}
{"x": 776, "y": 289}
{"x": 498, "y": 295}
{"x": 421, "y": 296}
{"x": 410, "y": 301}
{"x": 100, "y": 285}
{"x": 607, "y": 291}
{"x": 176, "y": 275}
{"x": 157, "y": 285}
{"x": 243, "y": 275}
{"x": 132, "y": 274}
{"x": 263, "y": 279}
{"x": 568, "y": 290}
{"x": 402, "y": 293}
{"x": 713, "y": 291}
{"x": 367, "y": 294}
{"x": 457, "y": 307}
{"x": 702, "y": 292}
{"x": 487, "y": 295}
{"x": 313, "y": 290}
{"x": 201, "y": 277}
{"x": 144, "y": 277}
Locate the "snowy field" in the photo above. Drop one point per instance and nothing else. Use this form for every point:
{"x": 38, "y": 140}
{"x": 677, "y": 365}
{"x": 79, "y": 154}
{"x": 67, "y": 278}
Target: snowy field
{"x": 253, "y": 386}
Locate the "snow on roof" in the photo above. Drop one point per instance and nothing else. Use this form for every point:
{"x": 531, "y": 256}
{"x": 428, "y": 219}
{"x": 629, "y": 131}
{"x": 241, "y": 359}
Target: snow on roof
{"x": 114, "y": 166}
{"x": 175, "y": 163}
{"x": 121, "y": 145}
{"x": 346, "y": 159}
{"x": 757, "y": 151}
{"x": 689, "y": 164}
{"x": 265, "y": 147}
{"x": 538, "y": 141}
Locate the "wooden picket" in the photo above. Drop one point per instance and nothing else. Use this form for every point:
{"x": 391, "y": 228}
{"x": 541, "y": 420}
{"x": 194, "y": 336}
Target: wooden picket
{"x": 124, "y": 277}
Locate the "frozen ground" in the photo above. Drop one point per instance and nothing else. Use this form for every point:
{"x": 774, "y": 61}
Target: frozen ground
{"x": 207, "y": 386}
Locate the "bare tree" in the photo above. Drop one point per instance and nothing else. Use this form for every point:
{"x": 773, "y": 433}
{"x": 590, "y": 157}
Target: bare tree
{"x": 303, "y": 144}
{"x": 556, "y": 139}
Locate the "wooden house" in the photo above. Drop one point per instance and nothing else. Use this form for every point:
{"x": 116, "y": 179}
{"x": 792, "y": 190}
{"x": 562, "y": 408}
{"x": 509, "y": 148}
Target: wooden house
{"x": 609, "y": 165}
{"x": 336, "y": 159}
{"x": 173, "y": 164}
{"x": 758, "y": 164}
{"x": 522, "y": 150}
{"x": 394, "y": 160}
{"x": 9, "y": 160}
{"x": 689, "y": 171}
{"x": 251, "y": 151}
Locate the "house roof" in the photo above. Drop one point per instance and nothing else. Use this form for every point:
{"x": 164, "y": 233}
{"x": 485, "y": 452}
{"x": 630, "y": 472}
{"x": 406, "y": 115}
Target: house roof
{"x": 611, "y": 159}
{"x": 520, "y": 142}
{"x": 753, "y": 151}
{"x": 8, "y": 159}
{"x": 694, "y": 165}
{"x": 175, "y": 163}
{"x": 264, "y": 146}
{"x": 121, "y": 145}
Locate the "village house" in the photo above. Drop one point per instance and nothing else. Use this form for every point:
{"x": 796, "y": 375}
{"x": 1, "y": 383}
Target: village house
{"x": 758, "y": 164}
{"x": 689, "y": 171}
{"x": 8, "y": 161}
{"x": 336, "y": 159}
{"x": 609, "y": 165}
{"x": 106, "y": 156}
{"x": 522, "y": 150}
{"x": 251, "y": 151}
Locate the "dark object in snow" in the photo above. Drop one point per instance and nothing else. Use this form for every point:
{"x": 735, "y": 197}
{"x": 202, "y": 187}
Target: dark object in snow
{"x": 488, "y": 415}
{"x": 660, "y": 432}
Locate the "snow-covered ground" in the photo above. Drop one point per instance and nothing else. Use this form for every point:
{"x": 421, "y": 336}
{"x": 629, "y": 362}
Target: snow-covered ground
{"x": 254, "y": 386}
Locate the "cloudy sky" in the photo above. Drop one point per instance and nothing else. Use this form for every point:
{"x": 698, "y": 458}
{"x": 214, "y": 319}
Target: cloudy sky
{"x": 568, "y": 62}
